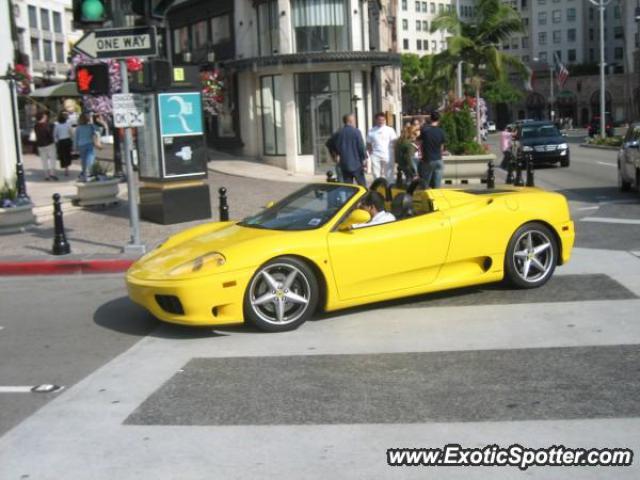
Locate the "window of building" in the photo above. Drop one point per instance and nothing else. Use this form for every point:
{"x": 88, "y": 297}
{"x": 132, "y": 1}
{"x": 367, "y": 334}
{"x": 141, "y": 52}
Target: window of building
{"x": 571, "y": 35}
{"x": 271, "y": 109}
{"x": 404, "y": 5}
{"x": 443, "y": 45}
{"x": 505, "y": 46}
{"x": 557, "y": 36}
{"x": 181, "y": 40}
{"x": 33, "y": 17}
{"x": 525, "y": 42}
{"x": 542, "y": 18}
{"x": 60, "y": 58}
{"x": 542, "y": 38}
{"x": 35, "y": 48}
{"x": 525, "y": 59}
{"x": 432, "y": 7}
{"x": 425, "y": 26}
{"x": 418, "y": 25}
{"x": 618, "y": 53}
{"x": 424, "y": 7}
{"x": 268, "y": 28}
{"x": 525, "y": 21}
{"x": 405, "y": 24}
{"x": 556, "y": 16}
{"x": 44, "y": 20}
{"x": 542, "y": 2}
{"x": 320, "y": 25}
{"x": 543, "y": 56}
{"x": 514, "y": 43}
{"x": 591, "y": 34}
{"x": 221, "y": 29}
{"x": 328, "y": 96}
{"x": 200, "y": 34}
{"x": 523, "y": 4}
{"x": 571, "y": 53}
{"x": 558, "y": 54}
{"x": 418, "y": 44}
{"x": 592, "y": 56}
{"x": 571, "y": 14}
{"x": 449, "y": 8}
{"x": 425, "y": 45}
{"x": 417, "y": 6}
{"x": 618, "y": 32}
{"x": 405, "y": 44}
{"x": 47, "y": 51}
{"x": 616, "y": 11}
{"x": 434, "y": 45}
{"x": 440, "y": 8}
{"x": 57, "y": 22}
{"x": 637, "y": 44}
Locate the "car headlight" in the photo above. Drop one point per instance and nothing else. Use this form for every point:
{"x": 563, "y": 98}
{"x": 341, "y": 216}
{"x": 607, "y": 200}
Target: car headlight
{"x": 211, "y": 259}
{"x": 526, "y": 148}
{"x": 563, "y": 146}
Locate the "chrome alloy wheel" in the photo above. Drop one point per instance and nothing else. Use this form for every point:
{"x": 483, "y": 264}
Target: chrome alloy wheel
{"x": 279, "y": 294}
{"x": 533, "y": 256}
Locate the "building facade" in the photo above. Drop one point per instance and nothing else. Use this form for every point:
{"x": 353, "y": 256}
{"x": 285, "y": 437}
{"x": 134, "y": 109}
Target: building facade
{"x": 45, "y": 37}
{"x": 290, "y": 70}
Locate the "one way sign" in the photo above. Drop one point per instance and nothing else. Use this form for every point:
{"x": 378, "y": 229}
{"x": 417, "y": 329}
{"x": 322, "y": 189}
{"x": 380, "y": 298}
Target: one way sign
{"x": 119, "y": 43}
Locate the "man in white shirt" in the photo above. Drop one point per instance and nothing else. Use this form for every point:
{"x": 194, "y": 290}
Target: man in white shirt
{"x": 373, "y": 203}
{"x": 380, "y": 143}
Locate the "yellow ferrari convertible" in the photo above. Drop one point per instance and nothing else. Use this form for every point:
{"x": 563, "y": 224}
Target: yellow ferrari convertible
{"x": 276, "y": 268}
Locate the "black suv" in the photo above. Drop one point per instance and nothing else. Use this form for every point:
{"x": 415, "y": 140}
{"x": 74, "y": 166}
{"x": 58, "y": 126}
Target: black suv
{"x": 543, "y": 141}
{"x": 594, "y": 127}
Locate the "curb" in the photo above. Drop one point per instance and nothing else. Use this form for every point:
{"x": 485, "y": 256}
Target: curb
{"x": 64, "y": 267}
{"x": 599, "y": 147}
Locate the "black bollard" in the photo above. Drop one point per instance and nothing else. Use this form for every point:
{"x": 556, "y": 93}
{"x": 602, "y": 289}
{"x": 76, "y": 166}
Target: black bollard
{"x": 518, "y": 182}
{"x": 491, "y": 175}
{"x": 223, "y": 207}
{"x": 330, "y": 177}
{"x": 399, "y": 177}
{"x": 21, "y": 185}
{"x": 510, "y": 166}
{"x": 60, "y": 244}
{"x": 530, "y": 180}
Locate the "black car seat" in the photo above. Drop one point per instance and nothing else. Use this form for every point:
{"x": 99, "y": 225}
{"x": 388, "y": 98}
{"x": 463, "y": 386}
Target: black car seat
{"x": 402, "y": 206}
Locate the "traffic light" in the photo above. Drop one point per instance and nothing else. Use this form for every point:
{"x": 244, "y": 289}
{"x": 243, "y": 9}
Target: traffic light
{"x": 93, "y": 79}
{"x": 151, "y": 8}
{"x": 90, "y": 13}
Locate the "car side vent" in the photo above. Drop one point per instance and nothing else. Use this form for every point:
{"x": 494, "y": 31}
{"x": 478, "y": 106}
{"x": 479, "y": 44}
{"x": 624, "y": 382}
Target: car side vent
{"x": 170, "y": 304}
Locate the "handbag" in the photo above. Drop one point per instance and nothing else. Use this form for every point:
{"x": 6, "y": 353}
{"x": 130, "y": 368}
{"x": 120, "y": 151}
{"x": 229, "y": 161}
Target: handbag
{"x": 32, "y": 135}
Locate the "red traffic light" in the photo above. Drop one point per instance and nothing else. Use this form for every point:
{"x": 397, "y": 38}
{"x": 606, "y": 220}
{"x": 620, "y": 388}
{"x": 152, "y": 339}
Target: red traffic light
{"x": 93, "y": 79}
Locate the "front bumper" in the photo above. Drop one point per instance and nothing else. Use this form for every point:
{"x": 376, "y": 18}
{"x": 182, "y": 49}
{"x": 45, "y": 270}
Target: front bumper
{"x": 206, "y": 301}
{"x": 549, "y": 157}
{"x": 567, "y": 235}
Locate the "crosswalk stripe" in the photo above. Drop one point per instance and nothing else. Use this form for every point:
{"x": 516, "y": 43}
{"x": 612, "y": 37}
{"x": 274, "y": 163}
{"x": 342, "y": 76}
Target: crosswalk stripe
{"x": 623, "y": 221}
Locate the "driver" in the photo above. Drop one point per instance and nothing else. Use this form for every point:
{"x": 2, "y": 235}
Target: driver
{"x": 373, "y": 203}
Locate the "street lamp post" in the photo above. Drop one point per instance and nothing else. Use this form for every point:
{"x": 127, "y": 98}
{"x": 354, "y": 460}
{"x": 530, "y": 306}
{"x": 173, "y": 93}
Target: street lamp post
{"x": 551, "y": 93}
{"x": 602, "y": 4}
{"x": 459, "y": 69}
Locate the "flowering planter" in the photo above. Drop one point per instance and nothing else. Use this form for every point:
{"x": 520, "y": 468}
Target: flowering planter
{"x": 104, "y": 192}
{"x": 16, "y": 219}
{"x": 462, "y": 168}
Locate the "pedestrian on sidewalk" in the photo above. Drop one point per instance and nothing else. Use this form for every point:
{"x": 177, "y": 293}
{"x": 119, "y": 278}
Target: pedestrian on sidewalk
{"x": 46, "y": 146}
{"x": 64, "y": 144}
{"x": 381, "y": 143}
{"x": 85, "y": 134}
{"x": 506, "y": 137}
{"x": 433, "y": 139}
{"x": 347, "y": 147}
{"x": 405, "y": 153}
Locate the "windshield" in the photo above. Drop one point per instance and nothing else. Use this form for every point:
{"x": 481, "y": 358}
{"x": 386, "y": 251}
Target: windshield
{"x": 533, "y": 131}
{"x": 308, "y": 208}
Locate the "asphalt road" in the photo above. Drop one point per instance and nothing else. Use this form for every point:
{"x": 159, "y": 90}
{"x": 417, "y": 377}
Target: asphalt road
{"x": 557, "y": 365}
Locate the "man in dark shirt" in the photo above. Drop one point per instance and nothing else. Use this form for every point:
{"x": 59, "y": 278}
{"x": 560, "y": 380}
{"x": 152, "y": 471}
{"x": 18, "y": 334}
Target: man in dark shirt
{"x": 347, "y": 148}
{"x": 433, "y": 139}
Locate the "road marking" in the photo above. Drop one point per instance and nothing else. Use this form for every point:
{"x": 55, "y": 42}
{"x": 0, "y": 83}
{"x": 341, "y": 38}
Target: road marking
{"x": 625, "y": 221}
{"x": 15, "y": 389}
{"x": 608, "y": 164}
{"x": 589, "y": 208}
{"x": 44, "y": 388}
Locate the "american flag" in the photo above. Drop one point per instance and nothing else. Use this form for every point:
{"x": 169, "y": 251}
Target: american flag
{"x": 562, "y": 72}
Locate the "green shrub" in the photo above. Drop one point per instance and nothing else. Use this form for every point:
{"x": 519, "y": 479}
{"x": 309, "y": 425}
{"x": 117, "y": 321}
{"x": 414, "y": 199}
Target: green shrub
{"x": 615, "y": 141}
{"x": 460, "y": 131}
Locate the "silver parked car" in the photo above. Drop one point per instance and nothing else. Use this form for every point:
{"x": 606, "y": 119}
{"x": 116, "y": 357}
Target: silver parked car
{"x": 629, "y": 160}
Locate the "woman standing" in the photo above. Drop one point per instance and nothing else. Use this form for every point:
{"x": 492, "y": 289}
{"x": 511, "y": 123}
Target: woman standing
{"x": 46, "y": 146}
{"x": 64, "y": 144}
{"x": 405, "y": 151}
{"x": 85, "y": 132}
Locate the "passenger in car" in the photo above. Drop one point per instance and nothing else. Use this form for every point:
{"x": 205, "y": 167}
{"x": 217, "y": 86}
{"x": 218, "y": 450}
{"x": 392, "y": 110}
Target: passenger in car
{"x": 373, "y": 203}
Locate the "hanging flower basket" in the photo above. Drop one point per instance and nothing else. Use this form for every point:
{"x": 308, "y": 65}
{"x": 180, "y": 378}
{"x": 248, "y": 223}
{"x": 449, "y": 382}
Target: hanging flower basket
{"x": 213, "y": 91}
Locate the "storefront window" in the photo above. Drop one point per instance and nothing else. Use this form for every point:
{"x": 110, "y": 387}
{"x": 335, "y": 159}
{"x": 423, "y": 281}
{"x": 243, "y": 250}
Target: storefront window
{"x": 271, "y": 103}
{"x": 320, "y": 25}
{"x": 181, "y": 40}
{"x": 322, "y": 99}
{"x": 268, "y": 28}
{"x": 220, "y": 29}
{"x": 199, "y": 32}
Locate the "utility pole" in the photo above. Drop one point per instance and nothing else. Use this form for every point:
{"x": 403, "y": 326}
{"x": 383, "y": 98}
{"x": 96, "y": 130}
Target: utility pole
{"x": 602, "y": 4}
{"x": 551, "y": 93}
{"x": 459, "y": 67}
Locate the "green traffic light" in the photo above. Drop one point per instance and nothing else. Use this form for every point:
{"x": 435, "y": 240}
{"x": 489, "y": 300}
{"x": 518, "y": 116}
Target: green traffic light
{"x": 92, "y": 11}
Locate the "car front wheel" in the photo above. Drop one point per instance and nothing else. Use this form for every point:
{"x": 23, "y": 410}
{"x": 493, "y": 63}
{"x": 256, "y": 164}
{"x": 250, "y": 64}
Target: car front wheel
{"x": 623, "y": 185}
{"x": 282, "y": 295}
{"x": 531, "y": 256}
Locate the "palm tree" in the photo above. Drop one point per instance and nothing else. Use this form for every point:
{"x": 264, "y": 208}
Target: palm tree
{"x": 424, "y": 81}
{"x": 476, "y": 43}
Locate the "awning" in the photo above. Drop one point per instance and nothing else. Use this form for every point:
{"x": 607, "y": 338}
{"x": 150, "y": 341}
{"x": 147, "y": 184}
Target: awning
{"x": 371, "y": 58}
{"x": 65, "y": 89}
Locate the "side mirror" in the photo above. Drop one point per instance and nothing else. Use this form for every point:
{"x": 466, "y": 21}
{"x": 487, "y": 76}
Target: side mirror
{"x": 355, "y": 217}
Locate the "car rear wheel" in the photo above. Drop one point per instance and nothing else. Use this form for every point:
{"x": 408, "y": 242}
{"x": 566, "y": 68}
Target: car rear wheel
{"x": 623, "y": 185}
{"x": 282, "y": 295}
{"x": 531, "y": 257}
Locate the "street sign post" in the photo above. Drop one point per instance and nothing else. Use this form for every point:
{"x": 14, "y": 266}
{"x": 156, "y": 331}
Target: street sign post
{"x": 128, "y": 110}
{"x": 119, "y": 43}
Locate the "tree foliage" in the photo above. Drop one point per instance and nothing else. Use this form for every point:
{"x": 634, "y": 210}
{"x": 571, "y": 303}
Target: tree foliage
{"x": 424, "y": 81}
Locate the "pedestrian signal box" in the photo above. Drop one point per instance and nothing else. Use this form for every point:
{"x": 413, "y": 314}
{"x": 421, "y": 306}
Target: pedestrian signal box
{"x": 93, "y": 79}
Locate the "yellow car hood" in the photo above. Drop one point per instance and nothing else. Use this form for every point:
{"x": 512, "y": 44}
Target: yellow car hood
{"x": 158, "y": 263}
